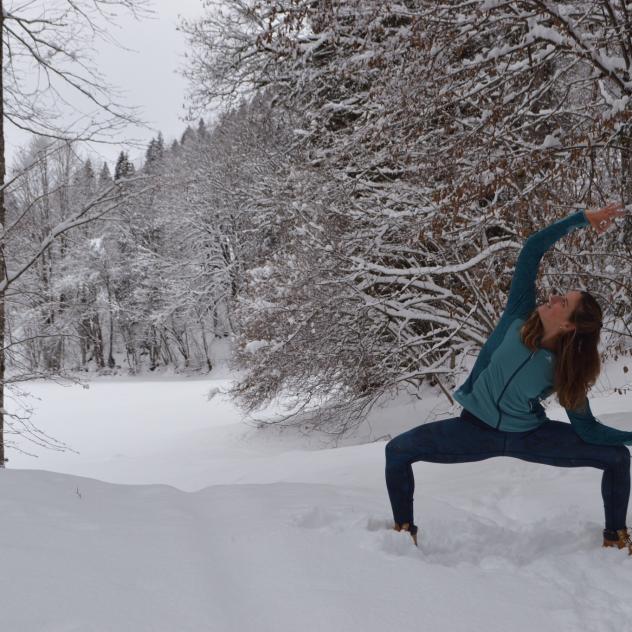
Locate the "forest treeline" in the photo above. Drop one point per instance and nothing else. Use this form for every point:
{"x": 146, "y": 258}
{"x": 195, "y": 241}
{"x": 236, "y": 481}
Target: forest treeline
{"x": 351, "y": 217}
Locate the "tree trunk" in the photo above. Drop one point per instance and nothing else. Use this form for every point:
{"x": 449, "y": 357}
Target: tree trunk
{"x": 97, "y": 340}
{"x": 111, "y": 362}
{"x": 209, "y": 364}
{"x": 626, "y": 166}
{"x": 3, "y": 267}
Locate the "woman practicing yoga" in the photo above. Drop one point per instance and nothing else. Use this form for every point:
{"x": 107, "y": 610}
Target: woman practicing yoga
{"x": 533, "y": 352}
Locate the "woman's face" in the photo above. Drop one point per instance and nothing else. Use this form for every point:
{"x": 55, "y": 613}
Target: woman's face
{"x": 556, "y": 312}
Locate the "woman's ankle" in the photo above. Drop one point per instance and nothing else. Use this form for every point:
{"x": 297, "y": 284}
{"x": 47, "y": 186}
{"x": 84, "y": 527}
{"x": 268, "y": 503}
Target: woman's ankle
{"x": 613, "y": 534}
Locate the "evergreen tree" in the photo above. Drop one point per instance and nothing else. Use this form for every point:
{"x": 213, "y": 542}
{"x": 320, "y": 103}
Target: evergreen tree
{"x": 154, "y": 154}
{"x": 187, "y": 136}
{"x": 202, "y": 130}
{"x": 88, "y": 173}
{"x": 124, "y": 168}
{"x": 105, "y": 177}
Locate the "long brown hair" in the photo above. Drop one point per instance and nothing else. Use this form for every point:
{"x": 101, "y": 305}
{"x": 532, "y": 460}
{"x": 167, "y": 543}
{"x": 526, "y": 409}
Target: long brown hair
{"x": 577, "y": 361}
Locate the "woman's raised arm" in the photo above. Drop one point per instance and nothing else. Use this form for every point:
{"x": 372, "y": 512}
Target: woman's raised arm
{"x": 521, "y": 300}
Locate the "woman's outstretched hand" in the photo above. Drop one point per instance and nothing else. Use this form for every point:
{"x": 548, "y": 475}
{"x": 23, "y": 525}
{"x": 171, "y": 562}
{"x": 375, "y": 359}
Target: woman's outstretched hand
{"x": 602, "y": 218}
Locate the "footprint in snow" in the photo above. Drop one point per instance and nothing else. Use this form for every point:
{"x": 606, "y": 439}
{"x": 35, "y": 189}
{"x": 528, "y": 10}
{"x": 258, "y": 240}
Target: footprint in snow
{"x": 315, "y": 518}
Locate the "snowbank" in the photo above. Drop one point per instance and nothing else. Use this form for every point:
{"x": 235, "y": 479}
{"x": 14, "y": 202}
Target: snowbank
{"x": 273, "y": 531}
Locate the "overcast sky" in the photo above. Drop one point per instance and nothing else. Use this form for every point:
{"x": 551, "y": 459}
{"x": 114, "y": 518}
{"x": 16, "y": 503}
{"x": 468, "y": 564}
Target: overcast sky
{"x": 148, "y": 74}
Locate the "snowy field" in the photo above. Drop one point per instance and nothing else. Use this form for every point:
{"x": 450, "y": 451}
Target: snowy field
{"x": 173, "y": 515}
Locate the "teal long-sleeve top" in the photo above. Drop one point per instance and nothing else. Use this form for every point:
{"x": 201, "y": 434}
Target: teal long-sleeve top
{"x": 508, "y": 381}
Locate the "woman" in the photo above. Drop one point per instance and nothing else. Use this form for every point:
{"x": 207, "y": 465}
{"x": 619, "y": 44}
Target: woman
{"x": 532, "y": 353}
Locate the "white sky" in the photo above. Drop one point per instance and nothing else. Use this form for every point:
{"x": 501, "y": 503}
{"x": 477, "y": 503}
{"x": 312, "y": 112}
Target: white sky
{"x": 147, "y": 75}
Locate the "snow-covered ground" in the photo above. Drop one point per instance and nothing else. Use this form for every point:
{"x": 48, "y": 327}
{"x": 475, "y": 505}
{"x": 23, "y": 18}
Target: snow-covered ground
{"x": 174, "y": 516}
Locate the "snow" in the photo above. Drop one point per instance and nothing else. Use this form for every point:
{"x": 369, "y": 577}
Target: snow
{"x": 489, "y": 5}
{"x": 539, "y": 31}
{"x": 201, "y": 522}
{"x": 254, "y": 345}
{"x": 616, "y": 105}
{"x": 551, "y": 142}
{"x": 96, "y": 245}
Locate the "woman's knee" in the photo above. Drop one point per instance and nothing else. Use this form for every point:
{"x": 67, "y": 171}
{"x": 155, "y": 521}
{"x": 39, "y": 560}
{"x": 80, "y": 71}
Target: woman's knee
{"x": 392, "y": 449}
{"x": 616, "y": 457}
{"x": 397, "y": 447}
{"x": 621, "y": 457}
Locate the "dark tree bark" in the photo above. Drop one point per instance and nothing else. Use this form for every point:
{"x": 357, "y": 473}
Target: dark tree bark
{"x": 3, "y": 266}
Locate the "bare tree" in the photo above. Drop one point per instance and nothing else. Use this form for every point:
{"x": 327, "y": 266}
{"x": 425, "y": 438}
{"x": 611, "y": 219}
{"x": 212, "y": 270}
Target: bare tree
{"x": 428, "y": 139}
{"x": 47, "y": 60}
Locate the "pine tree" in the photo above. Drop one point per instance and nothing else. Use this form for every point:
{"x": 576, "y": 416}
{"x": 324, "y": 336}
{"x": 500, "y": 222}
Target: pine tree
{"x": 202, "y": 130}
{"x": 154, "y": 154}
{"x": 124, "y": 168}
{"x": 105, "y": 177}
{"x": 187, "y": 136}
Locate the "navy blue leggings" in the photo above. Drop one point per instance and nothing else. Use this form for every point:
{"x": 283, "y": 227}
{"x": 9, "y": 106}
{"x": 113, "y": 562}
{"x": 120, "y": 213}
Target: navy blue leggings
{"x": 466, "y": 438}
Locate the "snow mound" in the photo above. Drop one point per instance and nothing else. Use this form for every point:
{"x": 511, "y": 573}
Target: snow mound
{"x": 79, "y": 554}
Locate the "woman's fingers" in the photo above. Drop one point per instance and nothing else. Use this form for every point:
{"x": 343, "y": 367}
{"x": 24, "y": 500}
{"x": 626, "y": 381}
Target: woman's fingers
{"x": 614, "y": 205}
{"x": 615, "y": 209}
{"x": 602, "y": 218}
